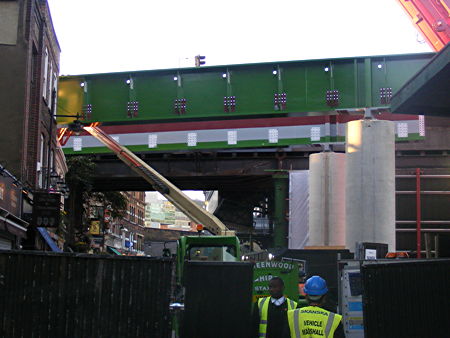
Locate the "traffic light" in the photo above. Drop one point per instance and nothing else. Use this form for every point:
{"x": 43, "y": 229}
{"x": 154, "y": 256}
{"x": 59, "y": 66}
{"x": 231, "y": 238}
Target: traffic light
{"x": 199, "y": 60}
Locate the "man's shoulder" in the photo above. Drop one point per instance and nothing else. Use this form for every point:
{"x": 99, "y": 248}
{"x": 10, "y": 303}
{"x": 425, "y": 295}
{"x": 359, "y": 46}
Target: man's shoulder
{"x": 262, "y": 299}
{"x": 293, "y": 302}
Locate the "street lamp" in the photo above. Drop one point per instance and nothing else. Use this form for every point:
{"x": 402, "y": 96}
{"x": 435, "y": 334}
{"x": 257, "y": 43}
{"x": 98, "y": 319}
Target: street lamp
{"x": 58, "y": 184}
{"x": 53, "y": 179}
{"x": 76, "y": 126}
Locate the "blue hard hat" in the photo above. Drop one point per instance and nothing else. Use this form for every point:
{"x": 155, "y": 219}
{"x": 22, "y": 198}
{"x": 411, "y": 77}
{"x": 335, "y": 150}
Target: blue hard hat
{"x": 315, "y": 286}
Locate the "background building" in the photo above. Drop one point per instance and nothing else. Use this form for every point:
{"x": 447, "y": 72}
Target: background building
{"x": 162, "y": 214}
{"x": 29, "y": 72}
{"x": 126, "y": 235}
{"x": 29, "y": 68}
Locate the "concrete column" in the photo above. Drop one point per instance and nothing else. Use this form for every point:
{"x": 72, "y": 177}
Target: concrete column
{"x": 370, "y": 182}
{"x": 327, "y": 199}
{"x": 280, "y": 223}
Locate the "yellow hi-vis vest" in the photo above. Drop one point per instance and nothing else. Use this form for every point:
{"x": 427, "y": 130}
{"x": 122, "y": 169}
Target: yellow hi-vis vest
{"x": 312, "y": 321}
{"x": 263, "y": 306}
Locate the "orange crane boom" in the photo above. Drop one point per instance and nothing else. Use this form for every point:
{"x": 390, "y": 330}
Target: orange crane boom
{"x": 432, "y": 19}
{"x": 162, "y": 185}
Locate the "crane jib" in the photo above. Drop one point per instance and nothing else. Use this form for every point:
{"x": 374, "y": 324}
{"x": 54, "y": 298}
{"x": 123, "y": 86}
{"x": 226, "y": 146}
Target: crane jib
{"x": 162, "y": 185}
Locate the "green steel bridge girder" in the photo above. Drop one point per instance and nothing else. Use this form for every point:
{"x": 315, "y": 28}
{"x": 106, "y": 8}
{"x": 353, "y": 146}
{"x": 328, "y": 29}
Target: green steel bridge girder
{"x": 247, "y": 90}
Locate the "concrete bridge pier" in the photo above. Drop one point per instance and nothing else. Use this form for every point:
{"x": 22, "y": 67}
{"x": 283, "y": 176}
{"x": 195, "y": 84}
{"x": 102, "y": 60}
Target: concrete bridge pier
{"x": 370, "y": 183}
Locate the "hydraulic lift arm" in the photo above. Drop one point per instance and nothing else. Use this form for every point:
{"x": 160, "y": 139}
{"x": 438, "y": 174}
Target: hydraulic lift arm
{"x": 431, "y": 18}
{"x": 162, "y": 185}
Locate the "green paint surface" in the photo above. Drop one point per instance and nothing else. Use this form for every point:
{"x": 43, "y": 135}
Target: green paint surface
{"x": 281, "y": 208}
{"x": 263, "y": 273}
{"x": 358, "y": 81}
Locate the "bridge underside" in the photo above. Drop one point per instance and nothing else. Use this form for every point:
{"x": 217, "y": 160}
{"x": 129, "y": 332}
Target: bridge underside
{"x": 240, "y": 172}
{"x": 244, "y": 171}
{"x": 247, "y": 178}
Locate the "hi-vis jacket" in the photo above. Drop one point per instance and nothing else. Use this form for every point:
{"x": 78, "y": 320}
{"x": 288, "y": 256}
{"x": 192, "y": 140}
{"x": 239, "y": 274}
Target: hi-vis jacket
{"x": 263, "y": 306}
{"x": 312, "y": 321}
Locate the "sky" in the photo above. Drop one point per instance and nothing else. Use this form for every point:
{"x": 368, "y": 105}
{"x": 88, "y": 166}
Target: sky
{"x": 193, "y": 194}
{"x": 98, "y": 36}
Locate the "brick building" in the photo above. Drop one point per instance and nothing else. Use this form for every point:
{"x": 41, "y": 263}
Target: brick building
{"x": 29, "y": 67}
{"x": 126, "y": 235}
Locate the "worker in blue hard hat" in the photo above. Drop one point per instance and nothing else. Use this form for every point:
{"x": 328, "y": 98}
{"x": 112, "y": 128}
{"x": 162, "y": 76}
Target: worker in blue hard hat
{"x": 313, "y": 320}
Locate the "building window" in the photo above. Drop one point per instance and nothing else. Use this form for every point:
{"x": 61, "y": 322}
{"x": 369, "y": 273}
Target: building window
{"x": 53, "y": 93}
{"x": 44, "y": 82}
{"x": 40, "y": 164}
{"x": 50, "y": 81}
{"x": 52, "y": 161}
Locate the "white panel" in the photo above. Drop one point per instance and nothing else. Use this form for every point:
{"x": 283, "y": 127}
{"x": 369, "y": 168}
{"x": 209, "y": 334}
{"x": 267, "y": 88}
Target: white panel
{"x": 298, "y": 209}
{"x": 421, "y": 125}
{"x": 192, "y": 139}
{"x": 370, "y": 183}
{"x": 152, "y": 140}
{"x": 232, "y": 137}
{"x": 77, "y": 144}
{"x": 116, "y": 138}
{"x": 402, "y": 129}
{"x": 273, "y": 135}
{"x": 315, "y": 134}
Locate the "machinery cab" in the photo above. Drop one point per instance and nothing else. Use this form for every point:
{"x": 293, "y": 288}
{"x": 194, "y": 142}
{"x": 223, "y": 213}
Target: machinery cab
{"x": 206, "y": 248}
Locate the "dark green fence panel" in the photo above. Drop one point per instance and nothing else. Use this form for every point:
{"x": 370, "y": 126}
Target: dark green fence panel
{"x": 218, "y": 300}
{"x": 68, "y": 295}
{"x": 407, "y": 298}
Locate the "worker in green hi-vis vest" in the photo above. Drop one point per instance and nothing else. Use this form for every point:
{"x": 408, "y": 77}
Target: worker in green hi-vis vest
{"x": 313, "y": 320}
{"x": 270, "y": 313}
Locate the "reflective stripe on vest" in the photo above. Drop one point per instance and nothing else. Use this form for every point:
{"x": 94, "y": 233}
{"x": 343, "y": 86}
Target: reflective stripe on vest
{"x": 291, "y": 304}
{"x": 263, "y": 306}
{"x": 312, "y": 321}
{"x": 329, "y": 324}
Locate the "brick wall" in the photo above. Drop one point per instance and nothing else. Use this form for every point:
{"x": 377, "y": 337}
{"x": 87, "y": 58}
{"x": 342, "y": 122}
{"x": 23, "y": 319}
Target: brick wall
{"x": 136, "y": 207}
{"x": 41, "y": 37}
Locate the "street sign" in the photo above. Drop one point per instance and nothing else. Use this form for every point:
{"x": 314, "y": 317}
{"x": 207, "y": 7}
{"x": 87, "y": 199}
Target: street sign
{"x": 10, "y": 196}
{"x": 46, "y": 209}
{"x": 263, "y": 272}
{"x": 94, "y": 228}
